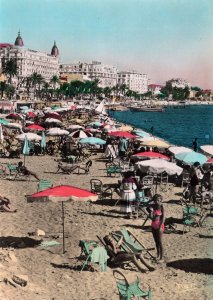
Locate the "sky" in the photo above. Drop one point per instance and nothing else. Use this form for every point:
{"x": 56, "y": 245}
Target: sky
{"x": 164, "y": 39}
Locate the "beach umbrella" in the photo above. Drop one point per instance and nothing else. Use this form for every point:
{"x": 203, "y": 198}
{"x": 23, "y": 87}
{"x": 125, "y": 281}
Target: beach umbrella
{"x": 125, "y": 128}
{"x": 108, "y": 127}
{"x": 156, "y": 143}
{"x": 96, "y": 124}
{"x": 151, "y": 155}
{"x": 14, "y": 125}
{"x": 208, "y": 149}
{"x": 53, "y": 115}
{"x": 14, "y": 116}
{"x": 190, "y": 158}
{"x": 124, "y": 134}
{"x": 80, "y": 134}
{"x": 179, "y": 149}
{"x": 43, "y": 141}
{"x": 31, "y": 114}
{"x": 35, "y": 127}
{"x": 1, "y": 134}
{"x": 210, "y": 160}
{"x": 142, "y": 133}
{"x": 26, "y": 148}
{"x": 92, "y": 141}
{"x": 75, "y": 127}
{"x": 158, "y": 166}
{"x": 4, "y": 122}
{"x": 60, "y": 194}
{"x": 30, "y": 136}
{"x": 52, "y": 120}
{"x": 57, "y": 132}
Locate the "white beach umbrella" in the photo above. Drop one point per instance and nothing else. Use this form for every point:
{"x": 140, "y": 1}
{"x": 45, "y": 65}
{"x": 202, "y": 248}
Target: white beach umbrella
{"x": 51, "y": 120}
{"x": 30, "y": 136}
{"x": 75, "y": 127}
{"x": 1, "y": 134}
{"x": 179, "y": 149}
{"x": 158, "y": 166}
{"x": 14, "y": 125}
{"x": 57, "y": 132}
{"x": 80, "y": 134}
{"x": 208, "y": 149}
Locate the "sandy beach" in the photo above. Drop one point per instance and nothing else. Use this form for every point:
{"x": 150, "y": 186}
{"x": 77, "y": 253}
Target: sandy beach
{"x": 185, "y": 273}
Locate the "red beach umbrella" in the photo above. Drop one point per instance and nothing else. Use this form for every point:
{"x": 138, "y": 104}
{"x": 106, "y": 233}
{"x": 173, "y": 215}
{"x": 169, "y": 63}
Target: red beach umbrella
{"x": 150, "y": 154}
{"x": 62, "y": 193}
{"x": 35, "y": 127}
{"x": 53, "y": 115}
{"x": 31, "y": 114}
{"x": 124, "y": 134}
{"x": 13, "y": 116}
{"x": 210, "y": 160}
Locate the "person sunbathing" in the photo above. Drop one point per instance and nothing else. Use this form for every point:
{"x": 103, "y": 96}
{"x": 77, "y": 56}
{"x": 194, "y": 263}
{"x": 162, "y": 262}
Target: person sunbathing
{"x": 5, "y": 205}
{"x": 21, "y": 169}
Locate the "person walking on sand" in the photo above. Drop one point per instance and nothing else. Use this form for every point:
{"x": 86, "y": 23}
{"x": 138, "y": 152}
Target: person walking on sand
{"x": 156, "y": 211}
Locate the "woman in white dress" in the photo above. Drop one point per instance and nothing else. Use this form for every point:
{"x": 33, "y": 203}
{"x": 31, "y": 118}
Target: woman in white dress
{"x": 128, "y": 196}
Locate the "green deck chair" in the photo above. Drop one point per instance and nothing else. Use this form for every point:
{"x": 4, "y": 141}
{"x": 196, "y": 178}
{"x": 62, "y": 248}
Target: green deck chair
{"x": 12, "y": 169}
{"x": 128, "y": 290}
{"x": 129, "y": 244}
{"x": 44, "y": 184}
{"x": 113, "y": 169}
{"x": 94, "y": 253}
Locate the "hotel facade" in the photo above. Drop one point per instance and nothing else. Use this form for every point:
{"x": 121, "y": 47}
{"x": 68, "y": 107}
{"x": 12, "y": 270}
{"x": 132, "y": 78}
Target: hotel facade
{"x": 30, "y": 61}
{"x": 106, "y": 74}
{"x": 135, "y": 81}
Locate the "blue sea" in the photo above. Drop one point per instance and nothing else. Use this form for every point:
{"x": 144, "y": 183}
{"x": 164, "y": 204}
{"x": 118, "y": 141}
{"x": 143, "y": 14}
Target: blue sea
{"x": 178, "y": 126}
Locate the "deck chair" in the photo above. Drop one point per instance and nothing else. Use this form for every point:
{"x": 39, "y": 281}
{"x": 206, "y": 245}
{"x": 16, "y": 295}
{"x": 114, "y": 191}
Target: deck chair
{"x": 44, "y": 184}
{"x": 141, "y": 203}
{"x": 113, "y": 169}
{"x": 12, "y": 169}
{"x": 96, "y": 186}
{"x": 94, "y": 254}
{"x": 185, "y": 178}
{"x": 131, "y": 244}
{"x": 192, "y": 219}
{"x": 147, "y": 182}
{"x": 85, "y": 168}
{"x": 66, "y": 169}
{"x": 127, "y": 290}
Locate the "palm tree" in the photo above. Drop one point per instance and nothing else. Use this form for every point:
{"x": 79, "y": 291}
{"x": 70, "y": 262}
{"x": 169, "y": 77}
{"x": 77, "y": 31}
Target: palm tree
{"x": 10, "y": 68}
{"x": 10, "y": 90}
{"x": 2, "y": 88}
{"x": 36, "y": 80}
{"x": 54, "y": 80}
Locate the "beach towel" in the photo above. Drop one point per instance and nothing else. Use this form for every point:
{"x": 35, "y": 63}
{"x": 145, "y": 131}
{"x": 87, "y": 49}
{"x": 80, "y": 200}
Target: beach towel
{"x": 99, "y": 255}
{"x": 45, "y": 244}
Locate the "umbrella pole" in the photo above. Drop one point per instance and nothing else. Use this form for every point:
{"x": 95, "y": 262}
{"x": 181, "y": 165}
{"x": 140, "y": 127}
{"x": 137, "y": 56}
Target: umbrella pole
{"x": 24, "y": 160}
{"x": 62, "y": 203}
{"x": 156, "y": 186}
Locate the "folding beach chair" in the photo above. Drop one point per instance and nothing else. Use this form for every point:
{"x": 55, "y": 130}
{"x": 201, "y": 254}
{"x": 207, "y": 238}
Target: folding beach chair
{"x": 93, "y": 254}
{"x": 133, "y": 290}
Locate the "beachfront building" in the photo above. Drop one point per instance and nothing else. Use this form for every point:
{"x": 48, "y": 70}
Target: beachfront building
{"x": 30, "y": 61}
{"x": 154, "y": 88}
{"x": 106, "y": 74}
{"x": 135, "y": 81}
{"x": 179, "y": 83}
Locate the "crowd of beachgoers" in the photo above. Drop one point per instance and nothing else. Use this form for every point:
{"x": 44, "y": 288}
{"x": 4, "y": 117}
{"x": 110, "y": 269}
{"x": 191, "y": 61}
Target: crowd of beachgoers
{"x": 137, "y": 206}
